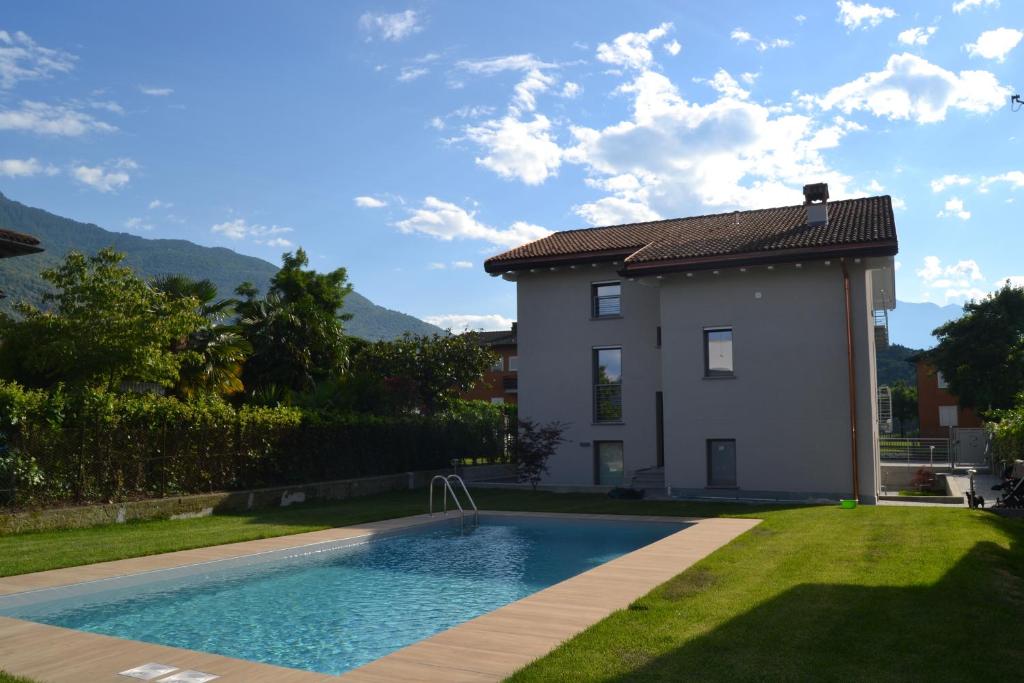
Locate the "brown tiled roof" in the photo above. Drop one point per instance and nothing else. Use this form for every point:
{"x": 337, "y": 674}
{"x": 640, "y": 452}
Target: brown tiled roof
{"x": 855, "y": 226}
{"x": 19, "y": 237}
{"x": 498, "y": 338}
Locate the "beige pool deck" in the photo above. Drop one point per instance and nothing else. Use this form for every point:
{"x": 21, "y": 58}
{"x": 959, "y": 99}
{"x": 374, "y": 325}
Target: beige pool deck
{"x": 487, "y": 648}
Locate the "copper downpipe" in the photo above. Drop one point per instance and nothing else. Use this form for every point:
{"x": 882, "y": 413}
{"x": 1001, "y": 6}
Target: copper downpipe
{"x": 852, "y": 382}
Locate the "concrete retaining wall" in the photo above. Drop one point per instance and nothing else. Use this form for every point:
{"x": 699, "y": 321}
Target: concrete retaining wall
{"x": 201, "y": 505}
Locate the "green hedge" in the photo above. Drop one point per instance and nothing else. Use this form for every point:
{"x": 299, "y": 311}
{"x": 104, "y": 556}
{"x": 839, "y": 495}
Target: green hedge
{"x": 1007, "y": 429}
{"x": 99, "y": 447}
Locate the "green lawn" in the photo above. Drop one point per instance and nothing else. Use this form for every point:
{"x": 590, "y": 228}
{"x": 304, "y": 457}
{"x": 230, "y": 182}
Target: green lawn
{"x": 879, "y": 593}
{"x": 8, "y": 678}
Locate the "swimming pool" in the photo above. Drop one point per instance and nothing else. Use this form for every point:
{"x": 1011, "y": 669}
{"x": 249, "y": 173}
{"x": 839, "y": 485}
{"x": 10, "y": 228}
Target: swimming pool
{"x": 336, "y": 606}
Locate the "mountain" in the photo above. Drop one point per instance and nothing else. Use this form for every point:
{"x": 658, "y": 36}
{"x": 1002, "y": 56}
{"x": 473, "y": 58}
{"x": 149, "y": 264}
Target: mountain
{"x": 19, "y": 277}
{"x": 911, "y": 324}
{"x": 892, "y": 365}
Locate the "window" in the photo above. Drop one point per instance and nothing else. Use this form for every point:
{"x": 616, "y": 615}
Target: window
{"x": 608, "y": 385}
{"x": 941, "y": 380}
{"x": 722, "y": 463}
{"x": 513, "y": 363}
{"x": 499, "y": 365}
{"x": 497, "y": 401}
{"x": 606, "y": 300}
{"x": 947, "y": 416}
{"x": 608, "y": 463}
{"x": 718, "y": 352}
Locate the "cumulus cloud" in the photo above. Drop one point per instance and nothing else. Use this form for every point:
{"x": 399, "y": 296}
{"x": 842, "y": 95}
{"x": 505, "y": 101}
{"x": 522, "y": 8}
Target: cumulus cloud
{"x": 910, "y": 87}
{"x": 155, "y": 92}
{"x": 14, "y": 168}
{"x": 365, "y": 202}
{"x": 571, "y": 90}
{"x": 940, "y": 184}
{"x": 525, "y": 150}
{"x": 461, "y": 322}
{"x": 1015, "y": 179}
{"x": 917, "y": 35}
{"x": 967, "y": 5}
{"x": 47, "y": 119}
{"x": 105, "y": 177}
{"x": 995, "y": 44}
{"x": 393, "y": 27}
{"x": 854, "y": 16}
{"x": 447, "y": 221}
{"x": 240, "y": 229}
{"x": 673, "y": 47}
{"x": 632, "y": 50}
{"x": 954, "y": 207}
{"x": 22, "y": 59}
{"x": 961, "y": 280}
{"x": 535, "y": 79}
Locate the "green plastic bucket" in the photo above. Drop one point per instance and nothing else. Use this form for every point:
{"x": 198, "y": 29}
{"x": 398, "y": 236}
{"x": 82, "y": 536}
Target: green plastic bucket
{"x": 848, "y": 504}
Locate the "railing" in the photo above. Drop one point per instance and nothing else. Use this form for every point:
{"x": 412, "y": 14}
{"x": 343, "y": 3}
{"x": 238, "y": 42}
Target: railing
{"x": 915, "y": 450}
{"x": 607, "y": 402}
{"x": 446, "y": 482}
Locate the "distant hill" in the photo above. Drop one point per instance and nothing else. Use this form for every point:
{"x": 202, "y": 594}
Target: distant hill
{"x": 19, "y": 277}
{"x": 892, "y": 365}
{"x": 911, "y": 324}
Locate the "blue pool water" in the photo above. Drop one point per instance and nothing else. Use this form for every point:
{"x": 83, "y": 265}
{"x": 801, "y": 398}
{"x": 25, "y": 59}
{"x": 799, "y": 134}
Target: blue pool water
{"x": 330, "y": 608}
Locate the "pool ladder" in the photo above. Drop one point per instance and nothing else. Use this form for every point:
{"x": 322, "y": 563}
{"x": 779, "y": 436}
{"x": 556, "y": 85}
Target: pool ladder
{"x": 446, "y": 481}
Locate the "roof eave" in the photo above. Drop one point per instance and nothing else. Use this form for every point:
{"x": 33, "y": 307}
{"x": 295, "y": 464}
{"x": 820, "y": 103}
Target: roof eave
{"x": 10, "y": 248}
{"x": 498, "y": 267}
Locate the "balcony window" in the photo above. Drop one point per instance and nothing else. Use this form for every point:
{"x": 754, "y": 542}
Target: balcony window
{"x": 608, "y": 385}
{"x": 718, "y": 352}
{"x": 606, "y": 300}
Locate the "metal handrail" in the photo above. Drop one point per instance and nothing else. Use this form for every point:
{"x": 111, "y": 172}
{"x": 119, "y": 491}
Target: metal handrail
{"x": 445, "y": 481}
{"x": 476, "y": 512}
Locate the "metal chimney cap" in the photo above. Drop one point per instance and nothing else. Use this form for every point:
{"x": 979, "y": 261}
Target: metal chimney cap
{"x": 815, "y": 192}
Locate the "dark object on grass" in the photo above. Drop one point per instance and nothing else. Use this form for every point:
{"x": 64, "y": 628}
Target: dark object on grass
{"x": 626, "y": 493}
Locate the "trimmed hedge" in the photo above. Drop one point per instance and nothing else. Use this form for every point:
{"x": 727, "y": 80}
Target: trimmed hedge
{"x": 96, "y": 446}
{"x": 1007, "y": 429}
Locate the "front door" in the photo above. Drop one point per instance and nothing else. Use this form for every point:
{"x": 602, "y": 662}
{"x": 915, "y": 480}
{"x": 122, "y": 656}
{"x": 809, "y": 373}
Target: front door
{"x": 721, "y": 463}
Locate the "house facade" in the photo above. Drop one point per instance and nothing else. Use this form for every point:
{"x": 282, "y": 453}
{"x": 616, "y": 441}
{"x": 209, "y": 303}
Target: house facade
{"x": 500, "y": 384}
{"x": 713, "y": 356}
{"x": 937, "y": 409}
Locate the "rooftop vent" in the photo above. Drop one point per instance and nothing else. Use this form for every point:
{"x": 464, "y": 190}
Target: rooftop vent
{"x": 816, "y": 201}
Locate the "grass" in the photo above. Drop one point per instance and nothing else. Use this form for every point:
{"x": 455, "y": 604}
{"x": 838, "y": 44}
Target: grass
{"x": 879, "y": 593}
{"x": 8, "y": 678}
{"x": 921, "y": 492}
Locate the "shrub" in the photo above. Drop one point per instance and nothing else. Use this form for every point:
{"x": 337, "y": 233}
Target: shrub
{"x": 1007, "y": 431}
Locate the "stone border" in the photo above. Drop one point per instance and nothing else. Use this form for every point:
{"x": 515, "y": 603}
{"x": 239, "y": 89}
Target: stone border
{"x": 487, "y": 648}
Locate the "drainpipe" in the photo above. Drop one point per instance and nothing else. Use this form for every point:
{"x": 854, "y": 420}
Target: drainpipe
{"x": 852, "y": 381}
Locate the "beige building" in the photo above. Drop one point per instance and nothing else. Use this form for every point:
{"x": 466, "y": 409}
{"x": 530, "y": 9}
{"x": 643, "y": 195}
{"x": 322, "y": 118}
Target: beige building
{"x": 713, "y": 356}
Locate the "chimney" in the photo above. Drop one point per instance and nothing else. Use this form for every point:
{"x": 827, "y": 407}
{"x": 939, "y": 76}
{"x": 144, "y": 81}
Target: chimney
{"x": 816, "y": 202}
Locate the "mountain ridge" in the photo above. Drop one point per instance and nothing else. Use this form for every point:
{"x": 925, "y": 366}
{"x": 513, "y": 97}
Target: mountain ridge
{"x": 19, "y": 277}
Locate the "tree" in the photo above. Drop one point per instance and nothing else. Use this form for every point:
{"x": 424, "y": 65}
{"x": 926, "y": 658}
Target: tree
{"x": 904, "y": 404}
{"x": 426, "y": 372}
{"x": 101, "y": 327}
{"x": 218, "y": 349}
{"x": 537, "y": 443}
{"x": 296, "y": 331}
{"x": 981, "y": 355}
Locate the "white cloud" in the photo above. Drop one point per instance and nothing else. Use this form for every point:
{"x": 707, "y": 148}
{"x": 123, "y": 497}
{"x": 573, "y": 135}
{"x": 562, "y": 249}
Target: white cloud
{"x": 155, "y": 92}
{"x": 14, "y": 168}
{"x": 393, "y": 27}
{"x": 447, "y": 221}
{"x": 158, "y": 204}
{"x": 799, "y": 18}
{"x": 954, "y": 207}
{"x": 910, "y": 87}
{"x": 749, "y": 77}
{"x": 995, "y": 44}
{"x": 22, "y": 59}
{"x": 240, "y": 229}
{"x": 518, "y": 149}
{"x": 462, "y": 264}
{"x": 440, "y": 265}
{"x": 571, "y": 90}
{"x": 899, "y": 203}
{"x": 494, "y": 65}
{"x": 105, "y": 177}
{"x": 365, "y": 202}
{"x": 46, "y": 119}
{"x": 437, "y": 265}
{"x": 461, "y": 322}
{"x": 108, "y": 105}
{"x": 1015, "y": 179}
{"x": 966, "y": 5}
{"x": 917, "y": 35}
{"x": 137, "y": 224}
{"x": 411, "y": 73}
{"x": 940, "y": 184}
{"x": 743, "y": 36}
{"x": 615, "y": 211}
{"x": 534, "y": 81}
{"x": 854, "y": 16}
{"x": 632, "y": 50}
{"x": 673, "y": 47}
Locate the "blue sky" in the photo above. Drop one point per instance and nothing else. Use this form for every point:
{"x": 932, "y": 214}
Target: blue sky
{"x": 408, "y": 141}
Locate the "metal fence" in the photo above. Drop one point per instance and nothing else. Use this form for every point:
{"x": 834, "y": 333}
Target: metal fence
{"x": 915, "y": 450}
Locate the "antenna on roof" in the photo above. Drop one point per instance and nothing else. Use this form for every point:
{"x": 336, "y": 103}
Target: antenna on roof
{"x": 1016, "y": 103}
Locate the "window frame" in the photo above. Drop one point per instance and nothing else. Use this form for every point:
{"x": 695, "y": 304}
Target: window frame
{"x": 718, "y": 374}
{"x": 594, "y": 298}
{"x": 594, "y": 365}
{"x": 940, "y": 380}
{"x": 513, "y": 363}
{"x": 597, "y": 460}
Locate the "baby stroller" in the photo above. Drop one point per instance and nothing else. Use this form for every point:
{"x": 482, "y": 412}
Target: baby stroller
{"x": 1012, "y": 486}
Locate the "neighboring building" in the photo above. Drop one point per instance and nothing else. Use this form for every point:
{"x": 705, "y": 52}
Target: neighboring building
{"x": 500, "y": 384}
{"x": 937, "y": 409}
{"x": 17, "y": 244}
{"x": 715, "y": 355}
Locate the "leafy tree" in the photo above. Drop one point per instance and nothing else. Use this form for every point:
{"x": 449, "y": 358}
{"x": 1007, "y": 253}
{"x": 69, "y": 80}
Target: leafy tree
{"x": 537, "y": 443}
{"x": 904, "y": 404}
{"x": 296, "y": 331}
{"x": 981, "y": 355}
{"x": 218, "y": 349}
{"x": 427, "y": 372}
{"x": 101, "y": 327}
